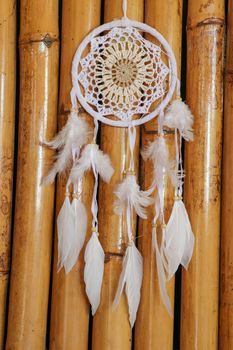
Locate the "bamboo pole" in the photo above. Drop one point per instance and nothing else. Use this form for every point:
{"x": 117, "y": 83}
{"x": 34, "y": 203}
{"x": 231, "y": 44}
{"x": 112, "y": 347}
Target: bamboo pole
{"x": 199, "y": 319}
{"x": 226, "y": 290}
{"x": 111, "y": 328}
{"x": 154, "y": 326}
{"x": 70, "y": 308}
{"x": 29, "y": 288}
{"x": 7, "y": 122}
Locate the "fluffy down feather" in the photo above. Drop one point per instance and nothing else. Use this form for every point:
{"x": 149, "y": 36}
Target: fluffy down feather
{"x": 91, "y": 157}
{"x": 131, "y": 278}
{"x": 68, "y": 141}
{"x": 179, "y": 116}
{"x": 157, "y": 152}
{"x": 128, "y": 192}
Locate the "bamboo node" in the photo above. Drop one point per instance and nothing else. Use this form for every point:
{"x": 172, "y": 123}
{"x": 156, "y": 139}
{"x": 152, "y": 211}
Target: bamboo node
{"x": 76, "y": 195}
{"x": 67, "y": 194}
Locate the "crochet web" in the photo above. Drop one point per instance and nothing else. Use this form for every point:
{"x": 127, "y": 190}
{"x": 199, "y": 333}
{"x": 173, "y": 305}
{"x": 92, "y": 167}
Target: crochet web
{"x": 123, "y": 74}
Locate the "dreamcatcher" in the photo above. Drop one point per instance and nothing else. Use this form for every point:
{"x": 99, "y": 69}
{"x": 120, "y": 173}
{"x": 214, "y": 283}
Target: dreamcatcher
{"x": 123, "y": 74}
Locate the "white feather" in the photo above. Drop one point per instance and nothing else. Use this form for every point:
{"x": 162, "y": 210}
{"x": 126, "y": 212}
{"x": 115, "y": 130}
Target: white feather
{"x": 131, "y": 279}
{"x": 79, "y": 233}
{"x": 72, "y": 225}
{"x": 65, "y": 228}
{"x": 68, "y": 141}
{"x": 92, "y": 156}
{"x": 179, "y": 239}
{"x": 128, "y": 192}
{"x": 161, "y": 275}
{"x": 157, "y": 152}
{"x": 179, "y": 116}
{"x": 93, "y": 271}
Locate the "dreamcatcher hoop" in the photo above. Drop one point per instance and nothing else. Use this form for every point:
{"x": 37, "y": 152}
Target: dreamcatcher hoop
{"x": 76, "y": 93}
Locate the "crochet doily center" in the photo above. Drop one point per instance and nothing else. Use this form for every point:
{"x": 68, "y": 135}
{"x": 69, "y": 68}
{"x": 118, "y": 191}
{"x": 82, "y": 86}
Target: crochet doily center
{"x": 124, "y": 72}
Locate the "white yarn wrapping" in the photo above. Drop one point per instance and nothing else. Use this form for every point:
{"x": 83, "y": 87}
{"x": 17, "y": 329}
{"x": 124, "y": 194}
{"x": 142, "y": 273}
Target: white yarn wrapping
{"x": 179, "y": 239}
{"x": 93, "y": 271}
{"x": 131, "y": 279}
{"x": 128, "y": 193}
{"x": 92, "y": 157}
{"x": 178, "y": 116}
{"x": 68, "y": 141}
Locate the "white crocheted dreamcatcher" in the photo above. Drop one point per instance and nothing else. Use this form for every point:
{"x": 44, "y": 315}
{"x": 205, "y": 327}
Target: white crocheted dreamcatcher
{"x": 123, "y": 75}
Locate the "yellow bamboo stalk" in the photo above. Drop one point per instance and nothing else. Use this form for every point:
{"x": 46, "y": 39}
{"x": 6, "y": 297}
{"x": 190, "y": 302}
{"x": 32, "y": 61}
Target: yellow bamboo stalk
{"x": 111, "y": 329}
{"x": 154, "y": 326}
{"x": 70, "y": 307}
{"x": 200, "y": 284}
{"x": 226, "y": 290}
{"x": 7, "y": 122}
{"x": 34, "y": 203}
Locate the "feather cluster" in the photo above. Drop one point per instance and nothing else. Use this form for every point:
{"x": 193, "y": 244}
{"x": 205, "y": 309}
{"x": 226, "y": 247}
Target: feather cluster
{"x": 128, "y": 193}
{"x": 178, "y": 116}
{"x": 179, "y": 239}
{"x": 131, "y": 279}
{"x": 72, "y": 225}
{"x": 93, "y": 271}
{"x": 68, "y": 141}
{"x": 92, "y": 157}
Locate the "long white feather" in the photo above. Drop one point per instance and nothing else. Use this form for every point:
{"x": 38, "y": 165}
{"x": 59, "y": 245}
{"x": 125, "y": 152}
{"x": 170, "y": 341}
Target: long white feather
{"x": 162, "y": 279}
{"x": 93, "y": 271}
{"x": 68, "y": 141}
{"x": 157, "y": 152}
{"x": 92, "y": 156}
{"x": 65, "y": 228}
{"x": 131, "y": 279}
{"x": 179, "y": 116}
{"x": 128, "y": 193}
{"x": 179, "y": 239}
{"x": 79, "y": 233}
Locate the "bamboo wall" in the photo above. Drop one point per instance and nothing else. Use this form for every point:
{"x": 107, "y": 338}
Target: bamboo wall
{"x": 42, "y": 309}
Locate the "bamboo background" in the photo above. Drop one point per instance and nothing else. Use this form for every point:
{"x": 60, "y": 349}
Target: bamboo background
{"x": 42, "y": 309}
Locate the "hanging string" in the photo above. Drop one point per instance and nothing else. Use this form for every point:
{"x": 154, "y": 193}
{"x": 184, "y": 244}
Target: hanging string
{"x": 124, "y": 8}
{"x": 132, "y": 140}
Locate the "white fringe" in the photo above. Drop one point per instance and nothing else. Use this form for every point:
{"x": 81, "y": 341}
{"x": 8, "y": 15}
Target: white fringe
{"x": 131, "y": 278}
{"x": 128, "y": 193}
{"x": 68, "y": 141}
{"x": 179, "y": 239}
{"x": 93, "y": 271}
{"x": 179, "y": 116}
{"x": 91, "y": 157}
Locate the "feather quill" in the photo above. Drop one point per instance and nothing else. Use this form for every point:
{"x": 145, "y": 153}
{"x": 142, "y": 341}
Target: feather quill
{"x": 92, "y": 156}
{"x": 93, "y": 271}
{"x": 179, "y": 116}
{"x": 131, "y": 279}
{"x": 128, "y": 193}
{"x": 179, "y": 239}
{"x": 68, "y": 141}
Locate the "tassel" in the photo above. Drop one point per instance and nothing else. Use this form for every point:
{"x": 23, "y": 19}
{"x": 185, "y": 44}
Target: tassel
{"x": 65, "y": 227}
{"x": 179, "y": 238}
{"x": 178, "y": 116}
{"x": 128, "y": 193}
{"x": 162, "y": 279}
{"x": 68, "y": 141}
{"x": 93, "y": 271}
{"x": 131, "y": 278}
{"x": 92, "y": 157}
